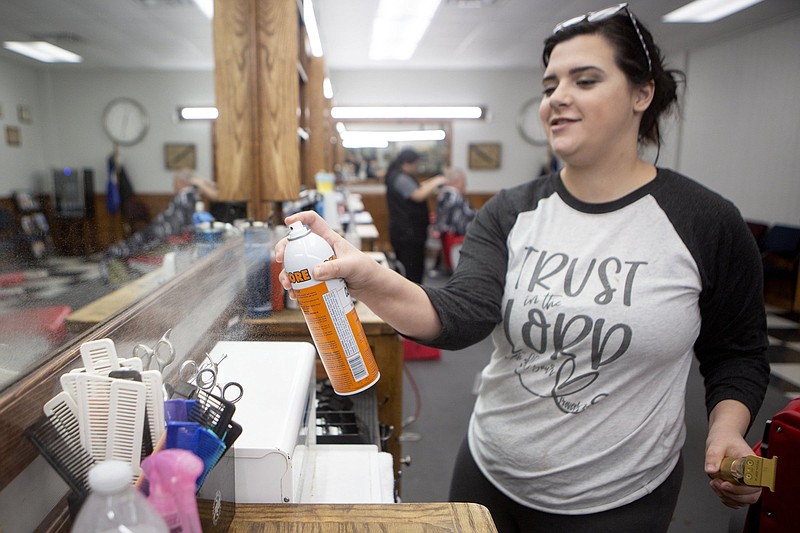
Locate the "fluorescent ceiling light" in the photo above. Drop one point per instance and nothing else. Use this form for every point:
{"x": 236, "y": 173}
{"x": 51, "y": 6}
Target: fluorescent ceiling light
{"x": 363, "y": 143}
{"x": 207, "y": 7}
{"x": 396, "y": 136}
{"x": 198, "y": 113}
{"x": 412, "y": 112}
{"x": 707, "y": 10}
{"x": 327, "y": 88}
{"x": 399, "y": 26}
{"x": 42, "y": 51}
{"x": 311, "y": 28}
{"x": 381, "y": 139}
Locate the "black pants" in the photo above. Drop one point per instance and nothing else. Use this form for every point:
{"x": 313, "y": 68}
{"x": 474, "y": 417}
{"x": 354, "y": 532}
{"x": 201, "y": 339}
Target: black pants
{"x": 650, "y": 514}
{"x": 411, "y": 253}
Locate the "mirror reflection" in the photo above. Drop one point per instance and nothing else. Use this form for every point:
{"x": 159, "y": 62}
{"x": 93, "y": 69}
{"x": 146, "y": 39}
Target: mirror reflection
{"x": 371, "y": 146}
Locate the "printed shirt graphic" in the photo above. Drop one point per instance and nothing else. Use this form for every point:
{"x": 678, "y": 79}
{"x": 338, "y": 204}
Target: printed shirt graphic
{"x": 600, "y": 315}
{"x": 581, "y": 405}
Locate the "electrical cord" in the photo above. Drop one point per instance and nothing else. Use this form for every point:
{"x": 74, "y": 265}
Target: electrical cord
{"x": 417, "y": 398}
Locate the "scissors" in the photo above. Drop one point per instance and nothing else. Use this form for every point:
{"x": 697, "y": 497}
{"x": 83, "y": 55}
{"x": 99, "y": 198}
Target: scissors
{"x": 163, "y": 352}
{"x": 205, "y": 377}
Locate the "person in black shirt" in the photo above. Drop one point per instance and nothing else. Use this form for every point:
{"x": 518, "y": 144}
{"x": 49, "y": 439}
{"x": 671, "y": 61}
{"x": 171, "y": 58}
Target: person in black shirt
{"x": 408, "y": 212}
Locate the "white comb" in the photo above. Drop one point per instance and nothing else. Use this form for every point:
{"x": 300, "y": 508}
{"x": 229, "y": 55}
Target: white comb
{"x": 99, "y": 356}
{"x": 126, "y": 423}
{"x": 154, "y": 387}
{"x": 63, "y": 413}
{"x": 94, "y": 403}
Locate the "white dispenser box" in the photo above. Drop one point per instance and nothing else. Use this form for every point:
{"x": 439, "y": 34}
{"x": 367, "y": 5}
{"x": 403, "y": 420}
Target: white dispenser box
{"x": 277, "y": 458}
{"x": 276, "y": 413}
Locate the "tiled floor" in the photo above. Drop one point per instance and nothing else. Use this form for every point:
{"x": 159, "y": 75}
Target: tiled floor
{"x": 784, "y": 350}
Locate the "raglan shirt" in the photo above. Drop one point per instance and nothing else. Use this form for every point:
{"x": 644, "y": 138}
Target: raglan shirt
{"x": 595, "y": 312}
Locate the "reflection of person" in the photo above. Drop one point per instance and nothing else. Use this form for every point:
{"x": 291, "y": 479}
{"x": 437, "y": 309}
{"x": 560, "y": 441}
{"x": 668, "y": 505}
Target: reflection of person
{"x": 176, "y": 219}
{"x": 453, "y": 210}
{"x": 598, "y": 284}
{"x": 408, "y": 211}
{"x": 186, "y": 179}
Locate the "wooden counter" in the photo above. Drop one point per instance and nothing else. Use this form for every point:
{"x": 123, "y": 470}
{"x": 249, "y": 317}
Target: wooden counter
{"x": 289, "y": 325}
{"x": 362, "y": 518}
{"x": 112, "y": 303}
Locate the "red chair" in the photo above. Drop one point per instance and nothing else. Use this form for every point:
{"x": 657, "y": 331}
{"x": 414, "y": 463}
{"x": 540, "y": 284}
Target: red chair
{"x": 49, "y": 322}
{"x": 451, "y": 249}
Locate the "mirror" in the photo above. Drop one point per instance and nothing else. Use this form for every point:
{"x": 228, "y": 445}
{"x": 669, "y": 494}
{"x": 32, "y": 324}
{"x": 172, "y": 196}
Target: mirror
{"x": 371, "y": 146}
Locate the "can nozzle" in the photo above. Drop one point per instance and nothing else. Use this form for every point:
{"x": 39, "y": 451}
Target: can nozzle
{"x": 298, "y": 229}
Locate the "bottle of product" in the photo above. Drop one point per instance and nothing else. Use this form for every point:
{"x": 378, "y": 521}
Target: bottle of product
{"x": 200, "y": 214}
{"x": 115, "y": 505}
{"x": 330, "y": 314}
{"x": 258, "y": 293}
{"x": 172, "y": 475}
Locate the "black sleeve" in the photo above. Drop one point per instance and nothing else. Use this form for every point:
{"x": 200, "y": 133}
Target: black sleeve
{"x": 732, "y": 343}
{"x": 469, "y": 305}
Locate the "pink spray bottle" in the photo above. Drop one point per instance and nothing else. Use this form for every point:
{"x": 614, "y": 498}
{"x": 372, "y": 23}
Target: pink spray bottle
{"x": 172, "y": 475}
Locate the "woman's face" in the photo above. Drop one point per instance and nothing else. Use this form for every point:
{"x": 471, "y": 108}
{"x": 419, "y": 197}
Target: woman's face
{"x": 409, "y": 168}
{"x": 588, "y": 109}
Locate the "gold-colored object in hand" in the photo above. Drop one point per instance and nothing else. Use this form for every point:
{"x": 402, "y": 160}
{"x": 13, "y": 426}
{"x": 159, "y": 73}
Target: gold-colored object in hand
{"x": 750, "y": 470}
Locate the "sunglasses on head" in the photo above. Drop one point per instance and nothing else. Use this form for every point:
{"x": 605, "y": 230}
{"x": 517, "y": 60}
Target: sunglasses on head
{"x": 604, "y": 14}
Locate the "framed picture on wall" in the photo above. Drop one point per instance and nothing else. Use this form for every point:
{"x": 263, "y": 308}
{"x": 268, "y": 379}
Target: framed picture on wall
{"x": 484, "y": 156}
{"x": 24, "y": 114}
{"x": 13, "y": 136}
{"x": 178, "y": 155}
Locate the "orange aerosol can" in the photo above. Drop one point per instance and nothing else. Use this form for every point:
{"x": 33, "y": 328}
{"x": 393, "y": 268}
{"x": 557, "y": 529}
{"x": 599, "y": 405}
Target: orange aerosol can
{"x": 329, "y": 313}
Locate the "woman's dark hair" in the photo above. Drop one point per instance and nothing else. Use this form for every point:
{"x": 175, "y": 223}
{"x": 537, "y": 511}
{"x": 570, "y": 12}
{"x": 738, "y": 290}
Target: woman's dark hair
{"x": 629, "y": 55}
{"x": 406, "y": 155}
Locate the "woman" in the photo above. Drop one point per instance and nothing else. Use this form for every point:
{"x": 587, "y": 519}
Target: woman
{"x": 598, "y": 284}
{"x": 408, "y": 212}
{"x": 453, "y": 210}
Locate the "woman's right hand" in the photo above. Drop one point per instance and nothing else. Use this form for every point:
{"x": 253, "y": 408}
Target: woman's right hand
{"x": 388, "y": 294}
{"x": 356, "y": 268}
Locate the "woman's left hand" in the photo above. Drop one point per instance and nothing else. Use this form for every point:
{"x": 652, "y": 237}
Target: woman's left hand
{"x": 722, "y": 442}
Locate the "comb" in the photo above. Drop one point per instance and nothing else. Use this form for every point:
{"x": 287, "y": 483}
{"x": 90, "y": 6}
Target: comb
{"x": 57, "y": 438}
{"x": 134, "y": 375}
{"x": 212, "y": 412}
{"x": 154, "y": 389}
{"x": 126, "y": 422}
{"x": 94, "y": 404}
{"x": 99, "y": 356}
{"x": 209, "y": 448}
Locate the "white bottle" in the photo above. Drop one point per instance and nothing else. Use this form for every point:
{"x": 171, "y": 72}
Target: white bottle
{"x": 329, "y": 313}
{"x": 115, "y": 505}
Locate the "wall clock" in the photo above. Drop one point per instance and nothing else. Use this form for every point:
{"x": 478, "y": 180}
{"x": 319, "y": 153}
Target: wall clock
{"x": 484, "y": 155}
{"x": 177, "y": 156}
{"x": 528, "y": 123}
{"x": 125, "y": 121}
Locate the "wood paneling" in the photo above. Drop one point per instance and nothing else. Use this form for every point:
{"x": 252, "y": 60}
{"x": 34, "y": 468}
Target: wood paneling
{"x": 257, "y": 92}
{"x": 236, "y": 88}
{"x": 316, "y": 144}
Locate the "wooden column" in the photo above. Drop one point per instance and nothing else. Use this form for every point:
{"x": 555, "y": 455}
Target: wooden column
{"x": 257, "y": 94}
{"x": 315, "y": 150}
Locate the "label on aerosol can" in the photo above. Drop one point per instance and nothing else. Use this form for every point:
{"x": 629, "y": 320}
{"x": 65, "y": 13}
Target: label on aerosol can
{"x": 330, "y": 314}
